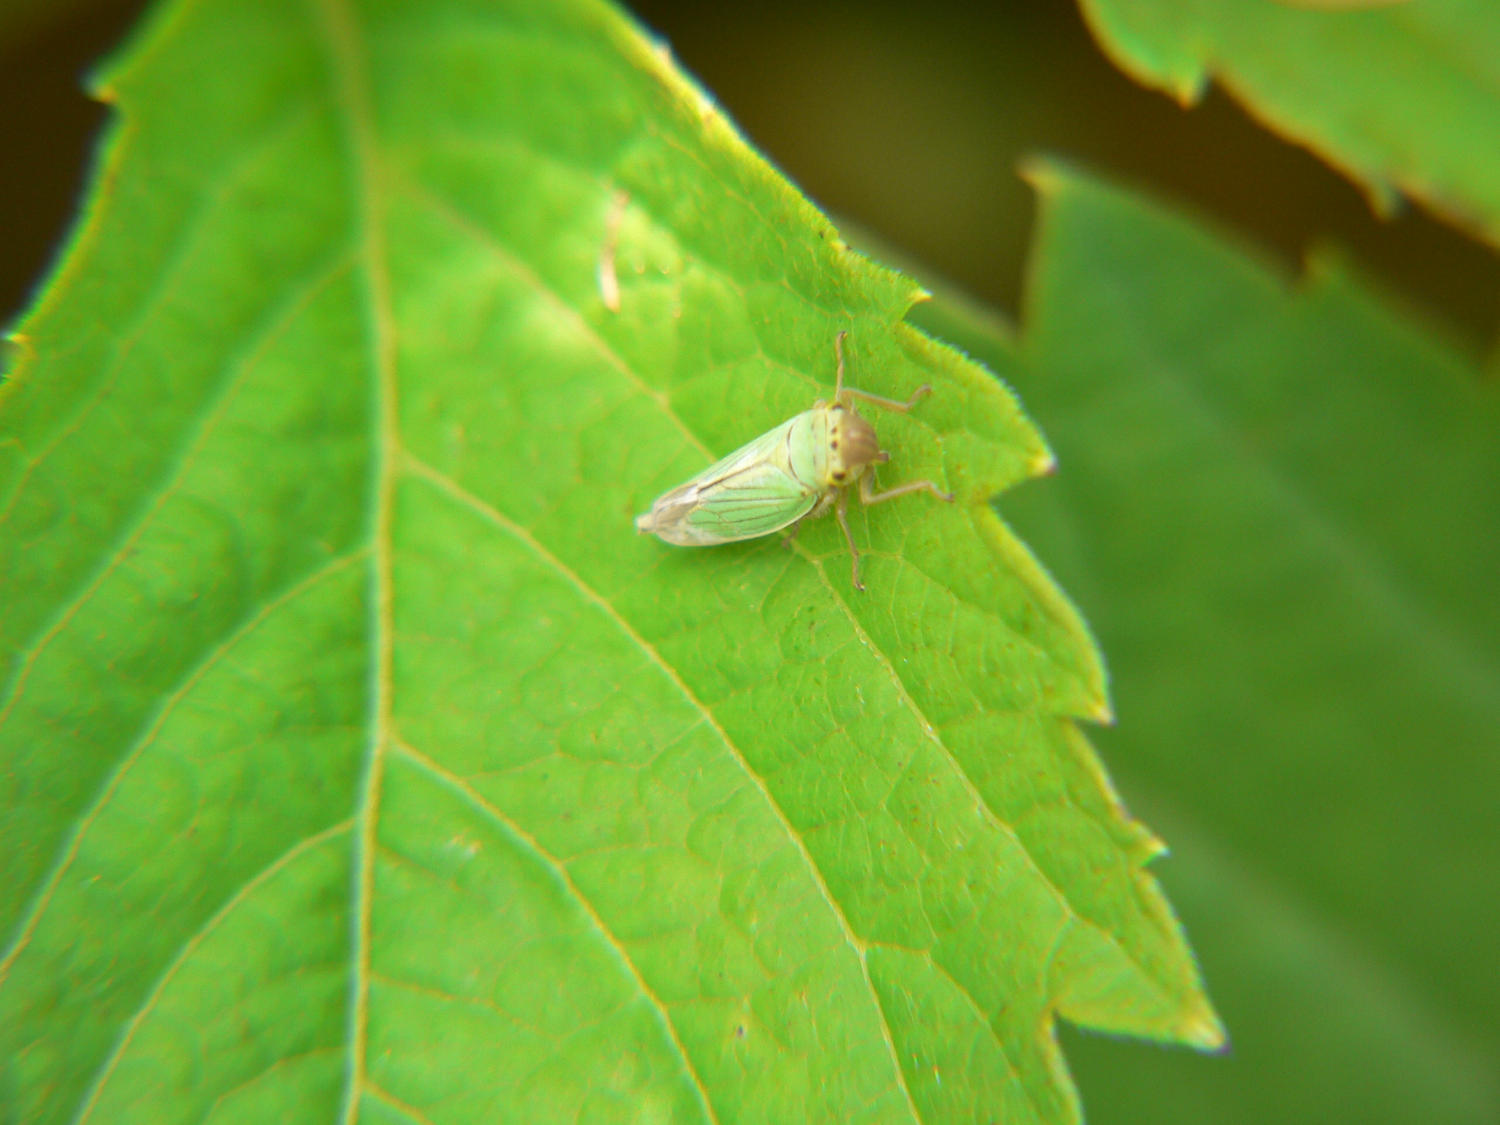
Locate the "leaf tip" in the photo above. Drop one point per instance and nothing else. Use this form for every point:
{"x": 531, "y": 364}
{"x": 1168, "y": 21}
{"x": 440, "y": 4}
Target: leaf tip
{"x": 1187, "y": 89}
{"x": 1384, "y": 197}
{"x": 1204, "y": 1031}
{"x": 1042, "y": 174}
{"x": 104, "y": 91}
{"x": 16, "y": 348}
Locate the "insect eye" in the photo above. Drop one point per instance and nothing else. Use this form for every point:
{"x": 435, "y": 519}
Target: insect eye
{"x": 839, "y": 475}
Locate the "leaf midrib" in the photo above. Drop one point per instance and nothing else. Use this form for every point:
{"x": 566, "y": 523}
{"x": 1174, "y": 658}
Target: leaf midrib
{"x": 351, "y": 92}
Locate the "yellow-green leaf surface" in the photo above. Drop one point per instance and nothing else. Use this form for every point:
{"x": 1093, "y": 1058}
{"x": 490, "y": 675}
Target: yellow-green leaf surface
{"x": 357, "y": 757}
{"x": 1278, "y": 504}
{"x": 1401, "y": 96}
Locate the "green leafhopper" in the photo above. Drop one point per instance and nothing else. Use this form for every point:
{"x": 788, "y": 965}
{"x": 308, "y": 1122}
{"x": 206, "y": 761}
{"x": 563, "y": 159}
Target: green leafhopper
{"x": 797, "y": 471}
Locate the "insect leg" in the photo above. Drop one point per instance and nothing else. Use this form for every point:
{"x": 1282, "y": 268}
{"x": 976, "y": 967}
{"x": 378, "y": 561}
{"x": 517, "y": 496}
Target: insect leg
{"x": 838, "y": 378}
{"x": 840, "y": 391}
{"x": 823, "y": 504}
{"x": 890, "y": 403}
{"x": 838, "y": 510}
{"x": 866, "y": 496}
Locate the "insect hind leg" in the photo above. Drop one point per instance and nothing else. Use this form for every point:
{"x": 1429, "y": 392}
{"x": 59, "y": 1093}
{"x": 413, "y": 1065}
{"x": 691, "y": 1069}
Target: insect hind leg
{"x": 842, "y": 393}
{"x": 890, "y": 403}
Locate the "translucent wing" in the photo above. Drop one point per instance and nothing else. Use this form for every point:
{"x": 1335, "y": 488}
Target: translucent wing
{"x": 751, "y": 492}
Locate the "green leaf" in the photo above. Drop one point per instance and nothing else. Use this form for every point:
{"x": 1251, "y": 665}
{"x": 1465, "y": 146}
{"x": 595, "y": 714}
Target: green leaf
{"x": 1399, "y": 96}
{"x": 356, "y": 757}
{"x": 1277, "y": 502}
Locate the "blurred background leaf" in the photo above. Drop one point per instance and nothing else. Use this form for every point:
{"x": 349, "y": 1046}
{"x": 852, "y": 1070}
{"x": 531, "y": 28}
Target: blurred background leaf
{"x": 1402, "y": 96}
{"x": 1277, "y": 505}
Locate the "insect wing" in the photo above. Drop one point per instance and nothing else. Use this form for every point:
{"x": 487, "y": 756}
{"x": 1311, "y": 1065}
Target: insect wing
{"x": 751, "y": 492}
{"x": 752, "y": 501}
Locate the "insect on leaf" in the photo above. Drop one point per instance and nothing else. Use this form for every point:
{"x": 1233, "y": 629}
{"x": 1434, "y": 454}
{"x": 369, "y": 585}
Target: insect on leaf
{"x": 802, "y": 468}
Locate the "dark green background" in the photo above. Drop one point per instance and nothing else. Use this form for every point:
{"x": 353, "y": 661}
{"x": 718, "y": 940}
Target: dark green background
{"x": 908, "y": 120}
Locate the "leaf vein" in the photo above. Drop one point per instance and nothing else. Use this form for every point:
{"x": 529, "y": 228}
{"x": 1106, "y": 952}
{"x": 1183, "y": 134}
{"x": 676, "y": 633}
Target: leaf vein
{"x": 189, "y": 947}
{"x": 510, "y": 827}
{"x": 211, "y": 413}
{"x": 353, "y": 97}
{"x": 49, "y": 885}
{"x": 523, "y": 536}
{"x": 991, "y": 814}
{"x": 168, "y": 279}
